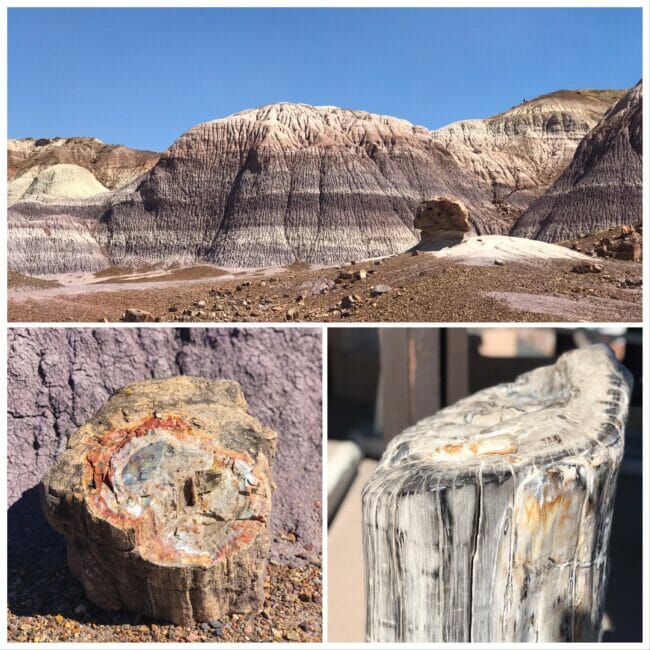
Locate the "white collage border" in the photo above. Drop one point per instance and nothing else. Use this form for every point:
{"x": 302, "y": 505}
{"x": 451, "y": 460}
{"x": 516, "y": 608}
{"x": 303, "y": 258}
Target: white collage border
{"x": 323, "y": 327}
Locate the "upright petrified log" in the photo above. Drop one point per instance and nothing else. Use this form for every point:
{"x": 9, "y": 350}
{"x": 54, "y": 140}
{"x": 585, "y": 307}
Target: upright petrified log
{"x": 490, "y": 520}
{"x": 164, "y": 498}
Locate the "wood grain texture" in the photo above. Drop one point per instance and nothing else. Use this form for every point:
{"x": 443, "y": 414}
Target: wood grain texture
{"x": 490, "y": 521}
{"x": 164, "y": 499}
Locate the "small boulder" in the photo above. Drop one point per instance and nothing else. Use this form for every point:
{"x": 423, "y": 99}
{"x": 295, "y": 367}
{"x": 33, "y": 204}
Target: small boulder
{"x": 137, "y": 316}
{"x": 587, "y": 267}
{"x": 380, "y": 289}
{"x": 165, "y": 512}
{"x": 442, "y": 219}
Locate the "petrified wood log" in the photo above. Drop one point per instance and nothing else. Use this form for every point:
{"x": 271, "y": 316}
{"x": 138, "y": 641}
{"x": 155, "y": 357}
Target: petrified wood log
{"x": 490, "y": 521}
{"x": 164, "y": 498}
{"x": 442, "y": 220}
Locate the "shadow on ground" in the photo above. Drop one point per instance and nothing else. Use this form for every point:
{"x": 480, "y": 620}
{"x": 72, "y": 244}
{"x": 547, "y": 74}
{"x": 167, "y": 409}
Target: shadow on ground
{"x": 39, "y": 581}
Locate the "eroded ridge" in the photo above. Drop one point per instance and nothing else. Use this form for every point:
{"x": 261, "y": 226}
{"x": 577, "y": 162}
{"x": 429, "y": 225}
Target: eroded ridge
{"x": 164, "y": 499}
{"x": 490, "y": 520}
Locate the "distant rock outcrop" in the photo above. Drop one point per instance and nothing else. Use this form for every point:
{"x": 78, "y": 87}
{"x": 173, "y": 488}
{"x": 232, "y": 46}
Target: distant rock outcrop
{"x": 60, "y": 182}
{"x": 111, "y": 166}
{"x": 602, "y": 186}
{"x": 519, "y": 152}
{"x": 442, "y": 220}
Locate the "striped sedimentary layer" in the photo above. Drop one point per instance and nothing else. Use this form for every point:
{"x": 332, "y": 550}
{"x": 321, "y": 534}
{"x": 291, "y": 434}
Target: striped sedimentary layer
{"x": 324, "y": 185}
{"x": 602, "y": 186}
{"x": 282, "y": 183}
{"x": 490, "y": 521}
{"x": 519, "y": 152}
{"x": 291, "y": 182}
{"x": 50, "y": 238}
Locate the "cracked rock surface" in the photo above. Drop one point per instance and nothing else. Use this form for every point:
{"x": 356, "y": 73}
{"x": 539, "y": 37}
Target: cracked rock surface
{"x": 164, "y": 498}
{"x": 490, "y": 520}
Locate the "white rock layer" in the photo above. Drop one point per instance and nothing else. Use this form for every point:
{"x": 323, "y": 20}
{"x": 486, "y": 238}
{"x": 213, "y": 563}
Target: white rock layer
{"x": 488, "y": 249}
{"x": 57, "y": 182}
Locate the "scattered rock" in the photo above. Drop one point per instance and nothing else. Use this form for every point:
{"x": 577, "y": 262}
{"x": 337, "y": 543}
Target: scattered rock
{"x": 137, "y": 316}
{"x": 380, "y": 289}
{"x": 361, "y": 274}
{"x": 587, "y": 267}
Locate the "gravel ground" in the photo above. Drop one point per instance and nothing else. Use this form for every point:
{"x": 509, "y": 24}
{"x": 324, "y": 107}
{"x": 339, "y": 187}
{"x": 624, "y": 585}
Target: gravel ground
{"x": 421, "y": 288}
{"x": 46, "y": 603}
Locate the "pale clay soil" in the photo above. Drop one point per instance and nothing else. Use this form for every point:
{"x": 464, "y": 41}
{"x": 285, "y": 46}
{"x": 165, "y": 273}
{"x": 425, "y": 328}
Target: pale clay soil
{"x": 493, "y": 285}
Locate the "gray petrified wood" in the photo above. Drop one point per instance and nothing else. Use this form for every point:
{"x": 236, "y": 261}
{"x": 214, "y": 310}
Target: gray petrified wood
{"x": 164, "y": 498}
{"x": 490, "y": 521}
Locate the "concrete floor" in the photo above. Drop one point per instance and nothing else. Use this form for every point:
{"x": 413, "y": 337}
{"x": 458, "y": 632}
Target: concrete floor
{"x": 345, "y": 565}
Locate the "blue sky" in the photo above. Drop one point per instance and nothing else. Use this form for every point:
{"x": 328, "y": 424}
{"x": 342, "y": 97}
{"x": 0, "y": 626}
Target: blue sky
{"x": 141, "y": 77}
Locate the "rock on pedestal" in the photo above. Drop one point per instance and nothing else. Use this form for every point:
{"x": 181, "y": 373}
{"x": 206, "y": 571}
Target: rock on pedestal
{"x": 164, "y": 498}
{"x": 490, "y": 521}
{"x": 443, "y": 220}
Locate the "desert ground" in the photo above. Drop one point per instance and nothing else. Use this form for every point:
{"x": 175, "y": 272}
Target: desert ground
{"x": 415, "y": 286}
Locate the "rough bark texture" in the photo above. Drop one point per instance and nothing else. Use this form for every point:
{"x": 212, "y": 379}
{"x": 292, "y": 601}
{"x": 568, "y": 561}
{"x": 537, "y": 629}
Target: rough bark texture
{"x": 602, "y": 186}
{"x": 57, "y": 378}
{"x": 164, "y": 498}
{"x": 490, "y": 521}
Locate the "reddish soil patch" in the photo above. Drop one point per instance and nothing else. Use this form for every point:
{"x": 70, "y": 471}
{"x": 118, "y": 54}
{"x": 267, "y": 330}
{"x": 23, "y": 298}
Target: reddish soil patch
{"x": 17, "y": 280}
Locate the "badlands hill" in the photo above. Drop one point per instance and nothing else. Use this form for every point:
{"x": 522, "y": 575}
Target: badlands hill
{"x": 519, "y": 152}
{"x": 111, "y": 166}
{"x": 601, "y": 187}
{"x": 289, "y": 182}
